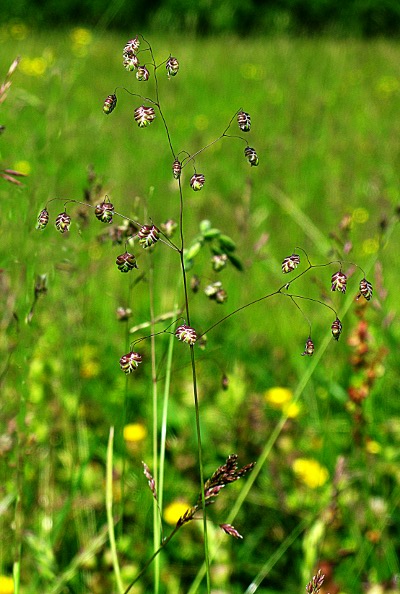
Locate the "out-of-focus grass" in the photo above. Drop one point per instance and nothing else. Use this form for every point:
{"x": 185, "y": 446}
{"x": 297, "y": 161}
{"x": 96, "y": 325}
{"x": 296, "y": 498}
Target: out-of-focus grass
{"x": 325, "y": 126}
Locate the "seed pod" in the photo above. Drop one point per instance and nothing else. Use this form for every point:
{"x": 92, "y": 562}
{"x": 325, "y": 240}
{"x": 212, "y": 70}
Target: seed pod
{"x": 43, "y": 219}
{"x": 126, "y": 262}
{"x": 130, "y": 362}
{"x": 197, "y": 181}
{"x": 212, "y": 289}
{"x": 144, "y": 116}
{"x": 109, "y": 104}
{"x": 221, "y": 296}
{"x": 104, "y": 212}
{"x": 186, "y": 334}
{"x": 176, "y": 169}
{"x": 123, "y": 313}
{"x": 63, "y": 222}
{"x": 290, "y": 263}
{"x": 132, "y": 46}
{"x": 309, "y": 348}
{"x": 169, "y": 228}
{"x": 244, "y": 121}
{"x": 130, "y": 62}
{"x": 336, "y": 329}
{"x": 339, "y": 281}
{"x": 365, "y": 289}
{"x": 172, "y": 66}
{"x": 251, "y": 156}
{"x": 148, "y": 235}
{"x": 142, "y": 73}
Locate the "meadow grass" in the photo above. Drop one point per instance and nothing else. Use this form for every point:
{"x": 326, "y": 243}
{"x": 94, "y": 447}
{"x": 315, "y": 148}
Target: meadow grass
{"x": 325, "y": 127}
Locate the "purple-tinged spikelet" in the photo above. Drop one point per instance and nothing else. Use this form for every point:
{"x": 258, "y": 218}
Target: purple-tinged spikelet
{"x": 365, "y": 289}
{"x": 172, "y": 66}
{"x": 104, "y": 212}
{"x": 169, "y": 228}
{"x": 130, "y": 62}
{"x": 309, "y": 348}
{"x": 336, "y": 329}
{"x": 63, "y": 222}
{"x": 244, "y": 121}
{"x": 339, "y": 280}
{"x": 231, "y": 530}
{"x": 142, "y": 73}
{"x": 144, "y": 116}
{"x": 148, "y": 235}
{"x": 290, "y": 263}
{"x": 176, "y": 169}
{"x": 132, "y": 46}
{"x": 109, "y": 104}
{"x": 43, "y": 219}
{"x": 251, "y": 156}
{"x": 197, "y": 181}
{"x": 219, "y": 262}
{"x": 185, "y": 333}
{"x": 130, "y": 362}
{"x": 126, "y": 262}
{"x": 315, "y": 585}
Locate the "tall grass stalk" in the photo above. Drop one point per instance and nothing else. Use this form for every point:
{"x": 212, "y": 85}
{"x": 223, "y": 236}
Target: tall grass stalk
{"x": 109, "y": 509}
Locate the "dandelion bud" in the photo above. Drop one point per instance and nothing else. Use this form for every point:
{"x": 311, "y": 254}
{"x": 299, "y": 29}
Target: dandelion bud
{"x": 251, "y": 156}
{"x": 244, "y": 121}
{"x": 176, "y": 169}
{"x": 130, "y": 362}
{"x": 290, "y": 263}
{"x": 148, "y": 235}
{"x": 126, "y": 262}
{"x": 169, "y": 228}
{"x": 132, "y": 46}
{"x": 63, "y": 222}
{"x": 172, "y": 66}
{"x": 365, "y": 289}
{"x": 197, "y": 181}
{"x": 130, "y": 62}
{"x": 142, "y": 73}
{"x": 186, "y": 334}
{"x": 219, "y": 262}
{"x": 43, "y": 219}
{"x": 336, "y": 329}
{"x": 109, "y": 104}
{"x": 144, "y": 116}
{"x": 339, "y": 282}
{"x": 309, "y": 348}
{"x": 104, "y": 212}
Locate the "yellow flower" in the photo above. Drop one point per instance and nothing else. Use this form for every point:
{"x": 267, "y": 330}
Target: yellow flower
{"x": 81, "y": 36}
{"x": 6, "y": 585}
{"x": 23, "y": 167}
{"x": 360, "y": 215}
{"x": 310, "y": 472}
{"x": 371, "y": 245}
{"x": 174, "y": 511}
{"x": 291, "y": 410}
{"x": 373, "y": 447}
{"x": 278, "y": 397}
{"x": 135, "y": 432}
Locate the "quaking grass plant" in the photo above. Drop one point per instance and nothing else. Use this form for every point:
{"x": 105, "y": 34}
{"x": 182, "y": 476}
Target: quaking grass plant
{"x": 160, "y": 233}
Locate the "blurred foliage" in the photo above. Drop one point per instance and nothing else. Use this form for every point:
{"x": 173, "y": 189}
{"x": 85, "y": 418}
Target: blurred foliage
{"x": 204, "y": 17}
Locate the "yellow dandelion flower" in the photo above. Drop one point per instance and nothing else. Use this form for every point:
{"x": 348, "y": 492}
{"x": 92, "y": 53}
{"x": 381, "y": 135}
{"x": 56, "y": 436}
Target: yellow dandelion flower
{"x": 6, "y": 585}
{"x": 278, "y": 397}
{"x": 174, "y": 511}
{"x": 360, "y": 215}
{"x": 291, "y": 410}
{"x": 373, "y": 447}
{"x": 23, "y": 167}
{"x": 81, "y": 36}
{"x": 135, "y": 432}
{"x": 370, "y": 246}
{"x": 310, "y": 472}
